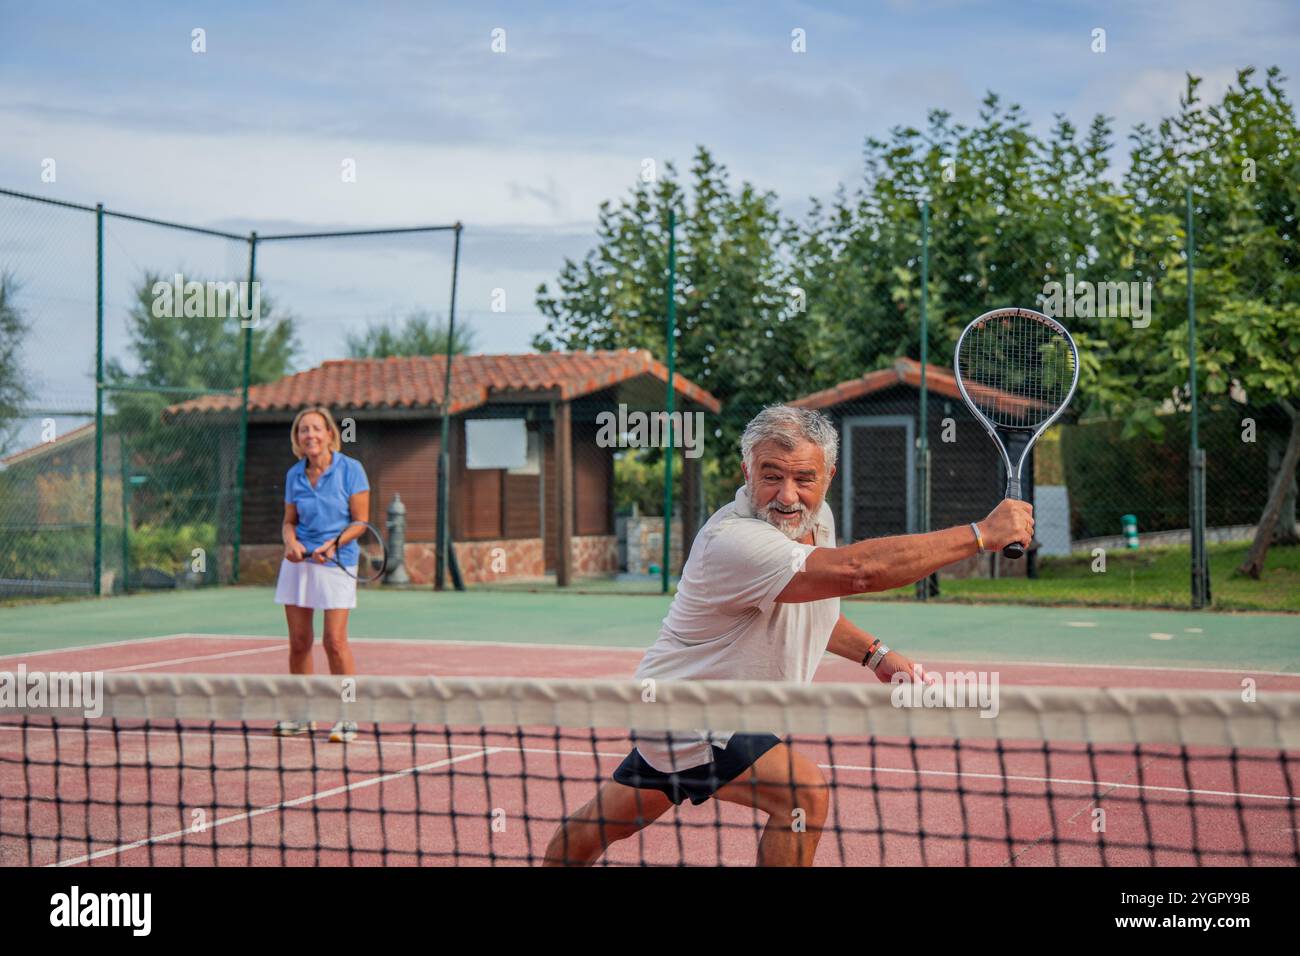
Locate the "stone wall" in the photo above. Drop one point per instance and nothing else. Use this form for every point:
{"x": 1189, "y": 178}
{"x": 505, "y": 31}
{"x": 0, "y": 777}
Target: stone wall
{"x": 982, "y": 566}
{"x": 1163, "y": 539}
{"x": 485, "y": 561}
{"x": 260, "y": 563}
{"x": 480, "y": 561}
{"x": 594, "y": 554}
{"x": 645, "y": 544}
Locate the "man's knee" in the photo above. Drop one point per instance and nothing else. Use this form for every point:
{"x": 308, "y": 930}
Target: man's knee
{"x": 619, "y": 811}
{"x": 787, "y": 785}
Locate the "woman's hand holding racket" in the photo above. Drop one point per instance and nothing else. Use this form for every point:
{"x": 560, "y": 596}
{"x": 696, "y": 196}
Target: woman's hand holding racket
{"x": 294, "y": 551}
{"x": 326, "y": 552}
{"x": 373, "y": 560}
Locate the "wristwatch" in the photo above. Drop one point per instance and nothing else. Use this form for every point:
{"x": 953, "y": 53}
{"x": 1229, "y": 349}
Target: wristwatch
{"x": 876, "y": 652}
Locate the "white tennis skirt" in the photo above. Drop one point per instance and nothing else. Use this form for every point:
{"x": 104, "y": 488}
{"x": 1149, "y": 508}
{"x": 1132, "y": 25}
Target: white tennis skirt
{"x": 323, "y": 587}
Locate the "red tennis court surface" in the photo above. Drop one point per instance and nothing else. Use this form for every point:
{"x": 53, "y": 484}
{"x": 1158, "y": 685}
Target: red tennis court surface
{"x": 246, "y": 796}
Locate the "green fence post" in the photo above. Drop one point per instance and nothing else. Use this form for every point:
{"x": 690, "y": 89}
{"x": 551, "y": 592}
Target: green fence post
{"x": 922, "y": 439}
{"x": 243, "y": 411}
{"x": 444, "y": 458}
{"x": 672, "y": 353}
{"x": 1196, "y": 456}
{"x": 126, "y": 512}
{"x": 98, "y": 572}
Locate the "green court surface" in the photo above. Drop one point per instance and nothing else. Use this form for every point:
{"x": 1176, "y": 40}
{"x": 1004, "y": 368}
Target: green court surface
{"x": 952, "y": 631}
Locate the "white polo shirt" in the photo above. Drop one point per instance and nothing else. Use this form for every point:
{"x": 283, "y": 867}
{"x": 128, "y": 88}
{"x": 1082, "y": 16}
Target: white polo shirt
{"x": 725, "y": 624}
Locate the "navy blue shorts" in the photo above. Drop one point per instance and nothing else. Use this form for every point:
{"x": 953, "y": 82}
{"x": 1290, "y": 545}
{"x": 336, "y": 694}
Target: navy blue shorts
{"x": 701, "y": 782}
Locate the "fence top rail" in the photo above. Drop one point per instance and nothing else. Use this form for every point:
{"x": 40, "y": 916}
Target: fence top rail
{"x": 357, "y": 232}
{"x": 238, "y": 237}
{"x": 45, "y": 199}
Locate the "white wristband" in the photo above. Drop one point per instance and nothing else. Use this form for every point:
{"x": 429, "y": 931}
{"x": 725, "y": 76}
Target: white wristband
{"x": 979, "y": 538}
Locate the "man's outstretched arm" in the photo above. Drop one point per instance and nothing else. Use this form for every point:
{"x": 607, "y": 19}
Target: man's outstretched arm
{"x": 852, "y": 642}
{"x": 879, "y": 564}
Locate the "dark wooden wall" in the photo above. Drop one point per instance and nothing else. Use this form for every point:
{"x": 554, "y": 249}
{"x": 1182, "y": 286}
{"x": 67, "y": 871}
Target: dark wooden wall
{"x": 401, "y": 457}
{"x": 966, "y": 478}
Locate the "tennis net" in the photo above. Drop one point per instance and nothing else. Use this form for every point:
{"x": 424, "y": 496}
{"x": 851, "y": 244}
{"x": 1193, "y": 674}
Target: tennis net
{"x": 187, "y": 770}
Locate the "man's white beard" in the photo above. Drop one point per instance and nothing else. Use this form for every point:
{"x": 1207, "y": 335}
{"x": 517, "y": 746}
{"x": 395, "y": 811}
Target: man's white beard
{"x": 794, "y": 530}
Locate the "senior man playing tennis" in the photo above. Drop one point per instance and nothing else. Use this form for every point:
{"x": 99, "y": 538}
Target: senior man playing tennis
{"x": 752, "y": 606}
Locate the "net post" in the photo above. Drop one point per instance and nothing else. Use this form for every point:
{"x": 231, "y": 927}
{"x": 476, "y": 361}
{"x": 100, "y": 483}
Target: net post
{"x": 668, "y": 448}
{"x": 98, "y": 570}
{"x": 243, "y": 411}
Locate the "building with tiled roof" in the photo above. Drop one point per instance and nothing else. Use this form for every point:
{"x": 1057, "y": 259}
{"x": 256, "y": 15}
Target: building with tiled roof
{"x": 553, "y": 513}
{"x": 876, "y": 490}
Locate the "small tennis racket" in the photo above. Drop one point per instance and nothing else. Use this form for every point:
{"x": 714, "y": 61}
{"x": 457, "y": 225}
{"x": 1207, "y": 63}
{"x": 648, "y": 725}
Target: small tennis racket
{"x": 1017, "y": 370}
{"x": 373, "y": 560}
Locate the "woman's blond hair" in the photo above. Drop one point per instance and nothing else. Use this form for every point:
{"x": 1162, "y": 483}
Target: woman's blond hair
{"x": 336, "y": 441}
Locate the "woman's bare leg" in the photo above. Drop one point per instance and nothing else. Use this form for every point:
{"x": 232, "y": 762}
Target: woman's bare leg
{"x": 300, "y": 638}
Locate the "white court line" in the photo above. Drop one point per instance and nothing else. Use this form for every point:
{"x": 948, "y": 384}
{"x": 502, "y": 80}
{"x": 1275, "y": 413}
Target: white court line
{"x": 90, "y": 647}
{"x": 309, "y": 798}
{"x": 1060, "y": 780}
{"x": 420, "y": 641}
{"x": 130, "y": 668}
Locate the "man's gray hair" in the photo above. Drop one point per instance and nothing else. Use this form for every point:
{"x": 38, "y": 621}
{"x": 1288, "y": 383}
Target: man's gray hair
{"x": 788, "y": 426}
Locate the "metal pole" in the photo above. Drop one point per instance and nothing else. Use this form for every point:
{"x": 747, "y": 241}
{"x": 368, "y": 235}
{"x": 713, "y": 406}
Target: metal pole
{"x": 922, "y": 439}
{"x": 126, "y": 513}
{"x": 243, "y": 411}
{"x": 98, "y": 572}
{"x": 444, "y": 460}
{"x": 1195, "y": 457}
{"x": 672, "y": 352}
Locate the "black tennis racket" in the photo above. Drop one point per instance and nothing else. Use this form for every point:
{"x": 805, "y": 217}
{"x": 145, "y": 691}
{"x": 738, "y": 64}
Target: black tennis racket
{"x": 1017, "y": 370}
{"x": 373, "y": 559}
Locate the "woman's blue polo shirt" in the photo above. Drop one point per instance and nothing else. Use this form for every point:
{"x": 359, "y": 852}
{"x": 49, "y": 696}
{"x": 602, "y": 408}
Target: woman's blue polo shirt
{"x": 323, "y": 511}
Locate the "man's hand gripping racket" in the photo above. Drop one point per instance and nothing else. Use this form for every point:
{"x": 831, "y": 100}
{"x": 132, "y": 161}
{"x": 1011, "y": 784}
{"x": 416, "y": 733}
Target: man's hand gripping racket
{"x": 1017, "y": 370}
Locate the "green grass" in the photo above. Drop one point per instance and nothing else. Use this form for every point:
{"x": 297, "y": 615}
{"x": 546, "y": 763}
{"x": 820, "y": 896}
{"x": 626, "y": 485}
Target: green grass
{"x": 1151, "y": 577}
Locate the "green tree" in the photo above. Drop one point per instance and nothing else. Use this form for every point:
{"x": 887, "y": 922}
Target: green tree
{"x": 185, "y": 464}
{"x": 14, "y": 385}
{"x": 420, "y": 334}
{"x": 203, "y": 353}
{"x": 1241, "y": 157}
{"x": 1010, "y": 212}
{"x": 737, "y": 335}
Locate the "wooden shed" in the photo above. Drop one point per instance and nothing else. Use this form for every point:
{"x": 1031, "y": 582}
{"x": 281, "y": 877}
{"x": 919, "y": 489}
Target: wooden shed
{"x": 875, "y": 491}
{"x": 553, "y": 514}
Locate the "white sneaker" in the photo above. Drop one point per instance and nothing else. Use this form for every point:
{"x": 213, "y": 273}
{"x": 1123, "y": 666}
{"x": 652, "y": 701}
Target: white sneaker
{"x": 343, "y": 732}
{"x": 294, "y": 728}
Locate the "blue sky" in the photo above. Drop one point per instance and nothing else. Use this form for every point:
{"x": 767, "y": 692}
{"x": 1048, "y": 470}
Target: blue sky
{"x": 523, "y": 145}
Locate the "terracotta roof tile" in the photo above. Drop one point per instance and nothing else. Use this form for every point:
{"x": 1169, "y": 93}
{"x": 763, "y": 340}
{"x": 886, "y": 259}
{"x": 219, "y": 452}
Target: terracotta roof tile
{"x": 904, "y": 371}
{"x": 417, "y": 381}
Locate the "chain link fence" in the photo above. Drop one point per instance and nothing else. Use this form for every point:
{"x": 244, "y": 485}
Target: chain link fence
{"x": 128, "y": 458}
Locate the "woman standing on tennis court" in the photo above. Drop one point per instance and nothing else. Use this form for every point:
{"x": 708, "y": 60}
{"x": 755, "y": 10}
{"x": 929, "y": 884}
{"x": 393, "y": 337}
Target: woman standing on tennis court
{"x": 323, "y": 492}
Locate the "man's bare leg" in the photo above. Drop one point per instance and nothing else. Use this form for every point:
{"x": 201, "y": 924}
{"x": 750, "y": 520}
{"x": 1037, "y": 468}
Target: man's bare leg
{"x": 615, "y": 813}
{"x": 791, "y": 789}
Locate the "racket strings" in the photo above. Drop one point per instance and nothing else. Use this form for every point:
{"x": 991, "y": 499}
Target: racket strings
{"x": 1017, "y": 370}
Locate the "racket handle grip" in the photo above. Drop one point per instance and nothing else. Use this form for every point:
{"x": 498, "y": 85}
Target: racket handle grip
{"x": 1015, "y": 550}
